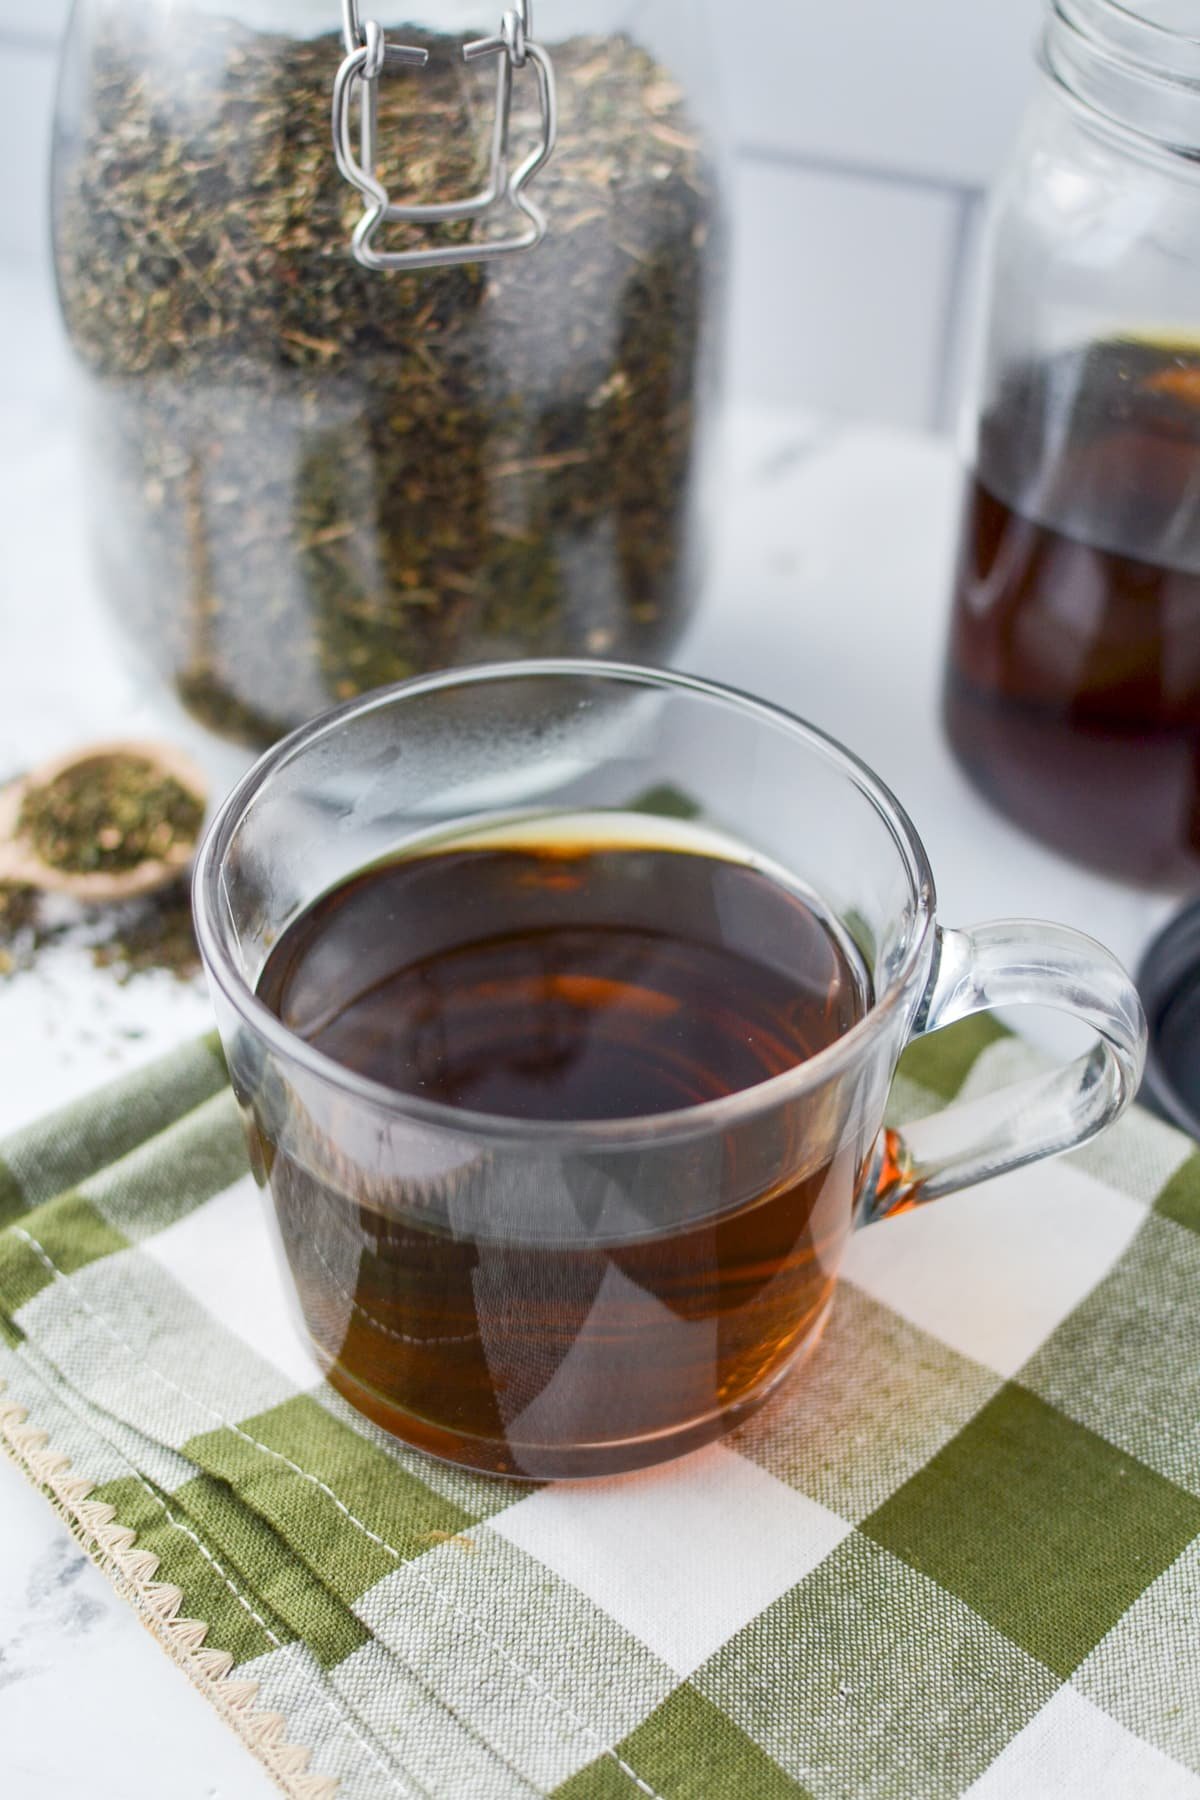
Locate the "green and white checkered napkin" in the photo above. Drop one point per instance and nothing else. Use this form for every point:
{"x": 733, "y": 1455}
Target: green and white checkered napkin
{"x": 961, "y": 1554}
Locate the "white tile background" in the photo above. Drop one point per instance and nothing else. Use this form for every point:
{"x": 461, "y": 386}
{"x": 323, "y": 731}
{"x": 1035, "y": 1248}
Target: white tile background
{"x": 865, "y": 133}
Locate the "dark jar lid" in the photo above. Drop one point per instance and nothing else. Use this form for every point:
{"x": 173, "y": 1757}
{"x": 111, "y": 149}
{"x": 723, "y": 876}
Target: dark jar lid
{"x": 1169, "y": 983}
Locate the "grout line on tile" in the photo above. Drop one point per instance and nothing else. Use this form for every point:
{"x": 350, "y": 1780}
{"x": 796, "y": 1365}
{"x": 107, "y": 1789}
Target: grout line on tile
{"x": 849, "y": 169}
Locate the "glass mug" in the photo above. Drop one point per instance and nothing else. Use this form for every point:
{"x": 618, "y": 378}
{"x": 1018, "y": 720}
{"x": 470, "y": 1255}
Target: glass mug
{"x": 567, "y": 1299}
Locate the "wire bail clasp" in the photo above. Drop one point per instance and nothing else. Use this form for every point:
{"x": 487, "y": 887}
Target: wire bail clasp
{"x": 367, "y": 56}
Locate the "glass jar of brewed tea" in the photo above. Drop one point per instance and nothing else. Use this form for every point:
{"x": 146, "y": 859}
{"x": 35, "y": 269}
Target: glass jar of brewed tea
{"x": 400, "y": 333}
{"x": 1073, "y": 686}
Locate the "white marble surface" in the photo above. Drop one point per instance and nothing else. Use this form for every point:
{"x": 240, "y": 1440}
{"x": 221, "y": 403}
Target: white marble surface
{"x": 828, "y": 594}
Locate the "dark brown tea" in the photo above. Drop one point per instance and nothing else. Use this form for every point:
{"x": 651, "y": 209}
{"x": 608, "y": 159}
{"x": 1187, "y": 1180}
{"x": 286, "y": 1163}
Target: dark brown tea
{"x": 539, "y": 1302}
{"x": 1073, "y": 689}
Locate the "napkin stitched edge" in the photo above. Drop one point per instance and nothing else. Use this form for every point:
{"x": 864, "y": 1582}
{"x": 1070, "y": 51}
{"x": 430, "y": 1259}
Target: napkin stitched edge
{"x": 112, "y": 1547}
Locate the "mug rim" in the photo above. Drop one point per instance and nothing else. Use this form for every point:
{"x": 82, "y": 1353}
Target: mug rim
{"x": 704, "y": 1116}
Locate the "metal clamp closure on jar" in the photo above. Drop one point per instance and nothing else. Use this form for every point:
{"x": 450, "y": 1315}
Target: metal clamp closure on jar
{"x": 367, "y": 55}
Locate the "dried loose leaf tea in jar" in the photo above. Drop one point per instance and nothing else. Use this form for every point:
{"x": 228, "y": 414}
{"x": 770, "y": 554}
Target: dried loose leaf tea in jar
{"x": 425, "y": 383}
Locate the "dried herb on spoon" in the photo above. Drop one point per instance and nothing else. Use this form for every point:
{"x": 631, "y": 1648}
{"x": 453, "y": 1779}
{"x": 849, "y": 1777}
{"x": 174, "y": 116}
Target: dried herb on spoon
{"x": 109, "y": 813}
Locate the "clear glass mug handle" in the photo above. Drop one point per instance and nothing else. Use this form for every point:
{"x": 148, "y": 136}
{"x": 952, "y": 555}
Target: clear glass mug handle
{"x": 1015, "y": 962}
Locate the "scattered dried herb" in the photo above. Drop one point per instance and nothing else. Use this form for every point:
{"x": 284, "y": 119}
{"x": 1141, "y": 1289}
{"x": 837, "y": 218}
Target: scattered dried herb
{"x": 18, "y": 910}
{"x": 152, "y": 935}
{"x": 309, "y": 478}
{"x": 109, "y": 813}
{"x": 18, "y": 904}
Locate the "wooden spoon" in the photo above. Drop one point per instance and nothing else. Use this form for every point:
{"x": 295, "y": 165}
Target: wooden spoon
{"x": 20, "y": 862}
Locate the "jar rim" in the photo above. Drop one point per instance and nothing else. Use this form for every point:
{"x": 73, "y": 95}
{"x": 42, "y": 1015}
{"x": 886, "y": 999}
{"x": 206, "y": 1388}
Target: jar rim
{"x": 1133, "y": 67}
{"x": 1144, "y": 28}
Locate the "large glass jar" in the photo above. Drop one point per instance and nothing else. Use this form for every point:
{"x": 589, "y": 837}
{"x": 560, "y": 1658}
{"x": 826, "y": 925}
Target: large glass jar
{"x": 439, "y": 390}
{"x": 1073, "y": 686}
